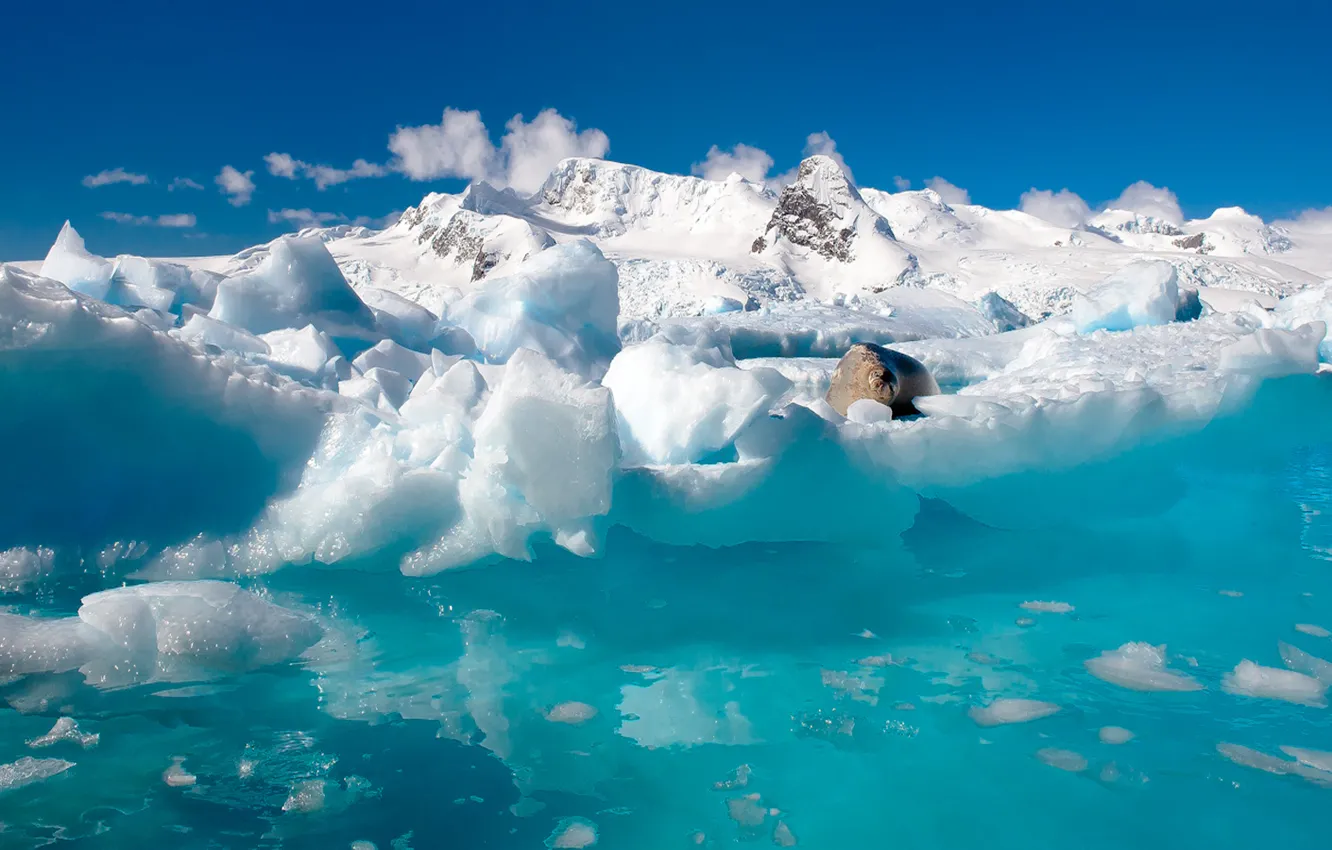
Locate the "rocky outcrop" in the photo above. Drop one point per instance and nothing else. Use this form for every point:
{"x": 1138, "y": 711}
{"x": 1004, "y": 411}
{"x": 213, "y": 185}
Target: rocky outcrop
{"x": 820, "y": 211}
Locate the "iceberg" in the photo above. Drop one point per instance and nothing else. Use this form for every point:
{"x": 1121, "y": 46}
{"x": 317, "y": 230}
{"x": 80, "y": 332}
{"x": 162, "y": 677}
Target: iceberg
{"x": 1145, "y": 293}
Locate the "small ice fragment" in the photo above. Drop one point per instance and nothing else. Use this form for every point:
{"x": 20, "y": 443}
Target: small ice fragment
{"x": 867, "y": 411}
{"x": 739, "y": 778}
{"x": 1048, "y": 607}
{"x": 1062, "y": 759}
{"x": 1235, "y": 594}
{"x": 1247, "y": 757}
{"x": 573, "y": 833}
{"x": 570, "y": 640}
{"x": 1311, "y": 629}
{"x": 746, "y": 810}
{"x": 781, "y": 833}
{"x": 878, "y": 661}
{"x": 404, "y": 841}
{"x": 1114, "y": 735}
{"x": 306, "y": 797}
{"x": 177, "y": 776}
{"x": 1110, "y": 773}
{"x": 1253, "y": 680}
{"x": 867, "y": 634}
{"x": 904, "y": 706}
{"x": 1139, "y": 667}
{"x": 698, "y": 837}
{"x": 1003, "y": 711}
{"x": 362, "y": 844}
{"x": 66, "y": 729}
{"x": 29, "y": 770}
{"x": 976, "y": 657}
{"x": 572, "y": 713}
{"x": 1025, "y": 622}
{"x": 1302, "y": 662}
{"x": 245, "y": 769}
{"x": 476, "y": 799}
{"x": 1317, "y": 759}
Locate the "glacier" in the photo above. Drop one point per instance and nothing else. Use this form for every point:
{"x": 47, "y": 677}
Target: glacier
{"x": 524, "y": 521}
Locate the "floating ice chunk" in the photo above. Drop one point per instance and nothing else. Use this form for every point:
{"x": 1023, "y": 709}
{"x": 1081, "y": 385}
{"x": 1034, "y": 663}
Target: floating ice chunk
{"x": 202, "y": 331}
{"x": 562, "y": 302}
{"x": 747, "y": 811}
{"x": 1311, "y": 629}
{"x": 1048, "y": 607}
{"x": 572, "y": 834}
{"x": 1317, "y": 759}
{"x": 389, "y": 355}
{"x": 168, "y": 630}
{"x": 867, "y": 411}
{"x": 20, "y": 566}
{"x": 572, "y": 713}
{"x": 1062, "y": 759}
{"x": 782, "y": 835}
{"x": 1273, "y": 353}
{"x": 1003, "y": 711}
{"x": 1249, "y": 757}
{"x": 69, "y": 262}
{"x": 681, "y": 403}
{"x": 1252, "y": 680}
{"x": 33, "y": 645}
{"x": 66, "y": 729}
{"x": 1139, "y": 667}
{"x": 298, "y": 283}
{"x": 1301, "y": 661}
{"x": 306, "y": 797}
{"x": 1233, "y": 594}
{"x": 28, "y": 770}
{"x": 1142, "y": 293}
{"x": 176, "y": 776}
{"x": 739, "y": 778}
{"x": 1114, "y": 735}
{"x": 362, "y": 844}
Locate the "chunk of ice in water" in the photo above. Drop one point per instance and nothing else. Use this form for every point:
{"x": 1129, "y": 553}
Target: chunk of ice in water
{"x": 1114, "y": 735}
{"x": 29, "y": 770}
{"x": 1249, "y": 757}
{"x": 363, "y": 845}
{"x": 66, "y": 729}
{"x": 572, "y": 713}
{"x": 1142, "y": 293}
{"x": 1254, "y": 680}
{"x": 1003, "y": 711}
{"x": 573, "y": 833}
{"x": 1302, "y": 662}
{"x": 1312, "y": 630}
{"x": 1062, "y": 759}
{"x": 739, "y": 778}
{"x": 305, "y": 797}
{"x": 177, "y": 776}
{"x": 1317, "y": 759}
{"x": 1048, "y": 607}
{"x": 1139, "y": 667}
{"x": 746, "y": 811}
{"x": 782, "y": 835}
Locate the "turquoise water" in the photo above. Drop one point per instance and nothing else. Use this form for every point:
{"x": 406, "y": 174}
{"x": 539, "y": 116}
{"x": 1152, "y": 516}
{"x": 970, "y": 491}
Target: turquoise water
{"x": 426, "y": 711}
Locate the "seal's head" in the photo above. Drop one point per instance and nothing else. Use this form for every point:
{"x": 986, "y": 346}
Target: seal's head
{"x": 881, "y": 381}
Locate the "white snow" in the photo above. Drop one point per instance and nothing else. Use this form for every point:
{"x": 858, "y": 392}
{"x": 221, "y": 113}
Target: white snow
{"x": 1139, "y": 667}
{"x": 1002, "y": 711}
{"x": 1253, "y": 680}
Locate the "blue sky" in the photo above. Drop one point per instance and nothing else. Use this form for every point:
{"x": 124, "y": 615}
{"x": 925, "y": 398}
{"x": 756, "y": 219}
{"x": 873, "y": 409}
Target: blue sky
{"x": 1226, "y": 104}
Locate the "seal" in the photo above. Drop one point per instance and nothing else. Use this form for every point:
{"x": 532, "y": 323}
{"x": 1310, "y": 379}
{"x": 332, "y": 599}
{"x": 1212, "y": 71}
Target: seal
{"x": 880, "y": 374}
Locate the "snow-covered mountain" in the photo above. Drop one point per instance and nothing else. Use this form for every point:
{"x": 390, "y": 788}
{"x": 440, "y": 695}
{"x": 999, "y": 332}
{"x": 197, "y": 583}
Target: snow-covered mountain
{"x": 685, "y": 246}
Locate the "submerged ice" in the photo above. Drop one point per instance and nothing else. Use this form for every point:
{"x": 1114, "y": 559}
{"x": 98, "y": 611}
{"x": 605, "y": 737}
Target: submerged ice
{"x": 269, "y": 554}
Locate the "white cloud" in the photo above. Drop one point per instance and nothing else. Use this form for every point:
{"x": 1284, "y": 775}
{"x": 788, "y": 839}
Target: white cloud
{"x": 172, "y": 220}
{"x": 1318, "y": 218}
{"x": 460, "y": 146}
{"x": 948, "y": 192}
{"x": 182, "y": 183}
{"x": 237, "y": 185}
{"x": 901, "y": 183}
{"x": 749, "y": 162}
{"x": 283, "y": 165}
{"x": 530, "y": 151}
{"x": 1145, "y": 199}
{"x": 309, "y": 218}
{"x": 114, "y": 175}
{"x": 1063, "y": 208}
{"x": 822, "y": 143}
